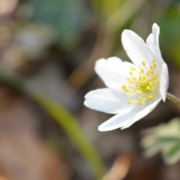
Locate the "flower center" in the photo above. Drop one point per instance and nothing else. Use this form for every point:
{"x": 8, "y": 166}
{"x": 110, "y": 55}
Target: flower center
{"x": 143, "y": 84}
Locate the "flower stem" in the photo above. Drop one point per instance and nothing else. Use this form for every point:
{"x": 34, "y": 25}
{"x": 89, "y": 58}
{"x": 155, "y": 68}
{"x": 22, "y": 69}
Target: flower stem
{"x": 173, "y": 98}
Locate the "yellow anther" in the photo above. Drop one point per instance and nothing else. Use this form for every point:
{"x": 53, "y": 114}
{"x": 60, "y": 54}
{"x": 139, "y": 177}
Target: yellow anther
{"x": 142, "y": 102}
{"x": 123, "y": 87}
{"x": 147, "y": 74}
{"x": 148, "y": 88}
{"x": 133, "y": 68}
{"x": 155, "y": 77}
{"x": 132, "y": 102}
{"x": 144, "y": 84}
{"x": 153, "y": 97}
{"x": 158, "y": 83}
{"x": 147, "y": 99}
{"x": 138, "y": 92}
{"x": 142, "y": 71}
{"x": 151, "y": 72}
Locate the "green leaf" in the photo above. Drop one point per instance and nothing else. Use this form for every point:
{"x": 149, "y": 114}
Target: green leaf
{"x": 68, "y": 17}
{"x": 64, "y": 118}
{"x": 172, "y": 155}
{"x": 73, "y": 129}
{"x": 170, "y": 36}
{"x": 164, "y": 138}
{"x": 157, "y": 144}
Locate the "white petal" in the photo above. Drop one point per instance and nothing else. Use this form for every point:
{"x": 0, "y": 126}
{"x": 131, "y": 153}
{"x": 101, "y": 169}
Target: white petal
{"x": 136, "y": 48}
{"x": 104, "y": 100}
{"x": 125, "y": 120}
{"x": 153, "y": 39}
{"x": 153, "y": 42}
{"x": 164, "y": 81}
{"x": 112, "y": 71}
{"x": 116, "y": 121}
{"x": 142, "y": 113}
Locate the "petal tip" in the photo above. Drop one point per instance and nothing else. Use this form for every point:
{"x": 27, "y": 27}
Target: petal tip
{"x": 102, "y": 63}
{"x": 125, "y": 33}
{"x": 164, "y": 99}
{"x": 155, "y": 28}
{"x": 163, "y": 96}
{"x": 87, "y": 94}
{"x": 104, "y": 127}
{"x": 155, "y": 25}
{"x": 102, "y": 60}
{"x": 85, "y": 103}
{"x": 101, "y": 128}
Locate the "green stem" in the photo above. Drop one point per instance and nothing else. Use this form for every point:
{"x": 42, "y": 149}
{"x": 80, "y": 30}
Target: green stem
{"x": 173, "y": 98}
{"x": 62, "y": 117}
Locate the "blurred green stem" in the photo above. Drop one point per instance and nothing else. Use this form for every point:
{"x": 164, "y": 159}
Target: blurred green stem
{"x": 62, "y": 117}
{"x": 173, "y": 98}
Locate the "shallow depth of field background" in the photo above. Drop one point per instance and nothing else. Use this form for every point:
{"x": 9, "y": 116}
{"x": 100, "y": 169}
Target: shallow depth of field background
{"x": 53, "y": 45}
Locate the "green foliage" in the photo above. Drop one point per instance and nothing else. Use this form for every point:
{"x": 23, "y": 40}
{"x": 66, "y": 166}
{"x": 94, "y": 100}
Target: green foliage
{"x": 164, "y": 138}
{"x": 68, "y": 17}
{"x": 170, "y": 36}
{"x": 106, "y": 8}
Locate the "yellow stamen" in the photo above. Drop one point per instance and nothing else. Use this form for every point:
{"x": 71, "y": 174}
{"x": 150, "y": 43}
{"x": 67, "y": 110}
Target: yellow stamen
{"x": 131, "y": 73}
{"x": 123, "y": 87}
{"x": 133, "y": 69}
{"x": 144, "y": 84}
{"x": 143, "y": 63}
{"x": 132, "y": 102}
{"x": 142, "y": 71}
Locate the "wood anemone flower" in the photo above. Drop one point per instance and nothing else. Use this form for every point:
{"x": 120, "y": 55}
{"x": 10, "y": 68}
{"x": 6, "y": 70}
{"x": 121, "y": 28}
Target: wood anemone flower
{"x": 133, "y": 89}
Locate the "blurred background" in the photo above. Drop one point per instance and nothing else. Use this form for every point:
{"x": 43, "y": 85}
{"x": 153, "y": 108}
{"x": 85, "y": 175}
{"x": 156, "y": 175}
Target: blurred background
{"x": 47, "y": 55}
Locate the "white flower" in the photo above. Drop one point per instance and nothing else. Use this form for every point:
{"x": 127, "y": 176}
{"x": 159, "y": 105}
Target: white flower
{"x": 134, "y": 90}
